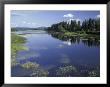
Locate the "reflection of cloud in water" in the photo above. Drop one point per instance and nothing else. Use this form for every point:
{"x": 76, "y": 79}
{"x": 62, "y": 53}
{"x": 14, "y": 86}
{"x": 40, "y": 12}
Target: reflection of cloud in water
{"x": 68, "y": 42}
{"x": 64, "y": 58}
{"x": 28, "y": 55}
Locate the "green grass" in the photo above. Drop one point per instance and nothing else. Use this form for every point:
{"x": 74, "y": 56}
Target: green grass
{"x": 16, "y": 45}
{"x": 75, "y": 34}
{"x": 70, "y": 34}
{"x": 78, "y": 33}
{"x": 17, "y": 39}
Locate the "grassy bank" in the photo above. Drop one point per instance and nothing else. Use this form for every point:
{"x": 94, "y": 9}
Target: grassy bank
{"x": 16, "y": 45}
{"x": 72, "y": 34}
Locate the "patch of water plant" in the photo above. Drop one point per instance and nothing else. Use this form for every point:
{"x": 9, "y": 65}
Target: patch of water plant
{"x": 66, "y": 71}
{"x": 37, "y": 71}
{"x": 29, "y": 65}
{"x": 93, "y": 73}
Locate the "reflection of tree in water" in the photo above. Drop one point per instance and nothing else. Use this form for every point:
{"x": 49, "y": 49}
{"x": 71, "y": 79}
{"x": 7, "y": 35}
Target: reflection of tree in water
{"x": 91, "y": 42}
{"x": 88, "y": 40}
{"x": 75, "y": 39}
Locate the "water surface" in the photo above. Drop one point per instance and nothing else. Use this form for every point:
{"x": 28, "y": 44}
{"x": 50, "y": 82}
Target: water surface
{"x": 50, "y": 53}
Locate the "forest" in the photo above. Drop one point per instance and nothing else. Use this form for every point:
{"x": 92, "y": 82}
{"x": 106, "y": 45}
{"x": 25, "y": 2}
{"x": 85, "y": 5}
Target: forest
{"x": 88, "y": 26}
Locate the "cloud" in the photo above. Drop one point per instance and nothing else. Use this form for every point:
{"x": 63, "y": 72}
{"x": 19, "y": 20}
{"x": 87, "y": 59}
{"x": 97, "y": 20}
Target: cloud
{"x": 72, "y": 19}
{"x": 16, "y": 25}
{"x": 33, "y": 23}
{"x": 28, "y": 23}
{"x": 78, "y": 20}
{"x": 23, "y": 22}
{"x": 98, "y": 16}
{"x": 68, "y": 15}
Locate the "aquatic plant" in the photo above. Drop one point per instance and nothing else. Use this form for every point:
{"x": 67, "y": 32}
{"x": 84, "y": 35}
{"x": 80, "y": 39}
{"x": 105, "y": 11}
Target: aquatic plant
{"x": 29, "y": 65}
{"x": 14, "y": 62}
{"x": 39, "y": 72}
{"x": 93, "y": 73}
{"x": 66, "y": 71}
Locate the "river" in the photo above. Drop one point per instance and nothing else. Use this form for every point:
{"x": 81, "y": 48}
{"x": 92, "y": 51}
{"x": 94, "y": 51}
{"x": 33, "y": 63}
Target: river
{"x": 50, "y": 53}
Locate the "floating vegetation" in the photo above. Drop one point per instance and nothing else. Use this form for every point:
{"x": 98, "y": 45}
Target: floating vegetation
{"x": 39, "y": 72}
{"x": 29, "y": 65}
{"x": 13, "y": 62}
{"x": 88, "y": 70}
{"x": 93, "y": 73}
{"x": 66, "y": 71}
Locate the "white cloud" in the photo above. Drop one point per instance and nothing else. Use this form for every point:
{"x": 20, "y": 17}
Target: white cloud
{"x": 24, "y": 22}
{"x": 16, "y": 25}
{"x": 78, "y": 20}
{"x": 28, "y": 23}
{"x": 98, "y": 16}
{"x": 68, "y": 15}
{"x": 33, "y": 23}
{"x": 69, "y": 21}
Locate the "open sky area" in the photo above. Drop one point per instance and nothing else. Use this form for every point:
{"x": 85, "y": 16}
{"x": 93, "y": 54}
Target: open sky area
{"x": 35, "y": 18}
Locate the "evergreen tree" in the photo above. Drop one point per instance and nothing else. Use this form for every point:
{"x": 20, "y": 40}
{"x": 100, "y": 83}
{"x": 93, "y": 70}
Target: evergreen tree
{"x": 90, "y": 25}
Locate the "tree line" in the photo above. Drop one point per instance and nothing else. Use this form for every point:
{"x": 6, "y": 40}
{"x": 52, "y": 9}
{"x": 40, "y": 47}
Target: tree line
{"x": 88, "y": 26}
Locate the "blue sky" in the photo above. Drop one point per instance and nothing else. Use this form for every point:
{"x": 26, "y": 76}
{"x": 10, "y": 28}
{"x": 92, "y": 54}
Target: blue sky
{"x": 35, "y": 18}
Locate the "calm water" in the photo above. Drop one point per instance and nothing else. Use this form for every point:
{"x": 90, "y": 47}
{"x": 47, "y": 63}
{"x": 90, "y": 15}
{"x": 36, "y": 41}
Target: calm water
{"x": 50, "y": 53}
